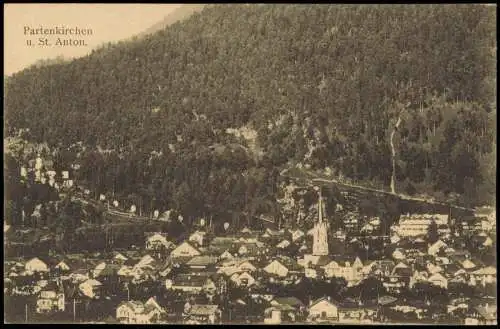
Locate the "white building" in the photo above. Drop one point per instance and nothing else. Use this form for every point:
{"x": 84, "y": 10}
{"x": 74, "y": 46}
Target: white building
{"x": 323, "y": 310}
{"x": 157, "y": 241}
{"x": 135, "y": 312}
{"x": 36, "y": 265}
{"x": 417, "y": 225}
{"x": 90, "y": 288}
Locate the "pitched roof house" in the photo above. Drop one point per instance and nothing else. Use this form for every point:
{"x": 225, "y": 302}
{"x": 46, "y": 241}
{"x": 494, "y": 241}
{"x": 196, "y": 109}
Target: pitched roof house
{"x": 323, "y": 310}
{"x": 201, "y": 262}
{"x": 36, "y": 265}
{"x": 243, "y": 279}
{"x": 198, "y": 238}
{"x": 50, "y": 298}
{"x": 282, "y": 267}
{"x": 157, "y": 241}
{"x": 203, "y": 313}
{"x": 90, "y": 288}
{"x": 136, "y": 312}
{"x": 191, "y": 283}
{"x": 185, "y": 250}
{"x": 438, "y": 280}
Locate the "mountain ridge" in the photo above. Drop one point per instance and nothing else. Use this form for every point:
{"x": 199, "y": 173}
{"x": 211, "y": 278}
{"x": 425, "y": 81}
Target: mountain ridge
{"x": 179, "y": 14}
{"x": 320, "y": 85}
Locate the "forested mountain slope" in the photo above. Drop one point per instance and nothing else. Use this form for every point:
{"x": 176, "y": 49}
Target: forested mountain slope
{"x": 320, "y": 84}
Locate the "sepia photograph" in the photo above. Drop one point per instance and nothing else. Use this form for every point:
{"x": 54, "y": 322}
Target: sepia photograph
{"x": 250, "y": 164}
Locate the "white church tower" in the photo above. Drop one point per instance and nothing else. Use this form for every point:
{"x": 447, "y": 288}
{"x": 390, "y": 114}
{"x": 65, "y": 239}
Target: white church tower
{"x": 320, "y": 237}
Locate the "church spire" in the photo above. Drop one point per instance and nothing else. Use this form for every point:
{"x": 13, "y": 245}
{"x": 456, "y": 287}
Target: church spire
{"x": 320, "y": 208}
{"x": 320, "y": 242}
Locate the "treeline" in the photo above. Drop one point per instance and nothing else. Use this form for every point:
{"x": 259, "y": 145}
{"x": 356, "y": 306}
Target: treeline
{"x": 321, "y": 84}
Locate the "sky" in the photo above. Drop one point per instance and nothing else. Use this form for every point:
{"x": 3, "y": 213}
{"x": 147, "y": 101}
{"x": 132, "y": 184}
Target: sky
{"x": 109, "y": 23}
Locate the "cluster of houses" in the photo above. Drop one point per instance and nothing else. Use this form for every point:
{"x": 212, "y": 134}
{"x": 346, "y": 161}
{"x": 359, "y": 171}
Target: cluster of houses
{"x": 200, "y": 275}
{"x": 44, "y": 173}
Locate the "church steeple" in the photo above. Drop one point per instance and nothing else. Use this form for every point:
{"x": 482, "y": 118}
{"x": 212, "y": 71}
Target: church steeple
{"x": 320, "y": 208}
{"x": 320, "y": 242}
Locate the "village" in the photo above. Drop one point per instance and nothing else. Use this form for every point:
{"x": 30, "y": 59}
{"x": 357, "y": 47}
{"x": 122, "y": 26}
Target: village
{"x": 273, "y": 276}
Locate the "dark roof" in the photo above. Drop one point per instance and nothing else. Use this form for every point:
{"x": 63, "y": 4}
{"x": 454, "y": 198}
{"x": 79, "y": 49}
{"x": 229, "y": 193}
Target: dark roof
{"x": 109, "y": 270}
{"x": 289, "y": 263}
{"x": 71, "y": 291}
{"x": 418, "y": 304}
{"x": 130, "y": 262}
{"x": 487, "y": 313}
{"x": 386, "y": 300}
{"x": 407, "y": 271}
{"x": 222, "y": 241}
{"x": 181, "y": 259}
{"x": 73, "y": 264}
{"x": 198, "y": 309}
{"x": 292, "y": 301}
{"x": 202, "y": 261}
{"x": 51, "y": 286}
{"x": 452, "y": 268}
{"x": 190, "y": 280}
{"x": 323, "y": 260}
{"x": 252, "y": 248}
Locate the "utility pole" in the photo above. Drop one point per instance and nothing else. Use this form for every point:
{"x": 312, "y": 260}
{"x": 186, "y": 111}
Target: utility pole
{"x": 26, "y": 312}
{"x": 74, "y": 310}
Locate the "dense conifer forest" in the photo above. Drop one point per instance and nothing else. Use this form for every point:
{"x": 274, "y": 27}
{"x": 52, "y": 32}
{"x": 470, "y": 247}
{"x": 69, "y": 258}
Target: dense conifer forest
{"x": 319, "y": 85}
